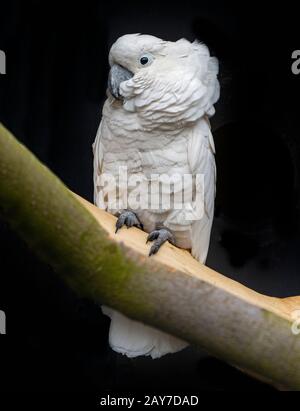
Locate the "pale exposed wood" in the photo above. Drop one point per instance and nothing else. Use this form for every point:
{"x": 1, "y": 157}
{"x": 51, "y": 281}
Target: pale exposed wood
{"x": 182, "y": 260}
{"x": 290, "y": 304}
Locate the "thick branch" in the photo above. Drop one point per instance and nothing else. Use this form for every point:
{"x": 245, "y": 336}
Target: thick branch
{"x": 171, "y": 291}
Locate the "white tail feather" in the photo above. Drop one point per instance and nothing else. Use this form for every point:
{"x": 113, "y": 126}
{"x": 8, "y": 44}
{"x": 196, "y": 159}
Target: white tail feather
{"x": 133, "y": 338}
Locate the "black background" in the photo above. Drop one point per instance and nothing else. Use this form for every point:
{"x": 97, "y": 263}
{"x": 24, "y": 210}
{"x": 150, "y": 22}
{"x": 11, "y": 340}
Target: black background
{"x": 51, "y": 98}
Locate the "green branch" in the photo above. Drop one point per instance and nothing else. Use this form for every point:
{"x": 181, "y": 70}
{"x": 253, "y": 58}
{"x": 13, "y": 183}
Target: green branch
{"x": 170, "y": 291}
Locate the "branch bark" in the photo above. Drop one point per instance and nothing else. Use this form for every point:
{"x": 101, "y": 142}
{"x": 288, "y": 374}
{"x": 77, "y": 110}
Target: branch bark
{"x": 170, "y": 291}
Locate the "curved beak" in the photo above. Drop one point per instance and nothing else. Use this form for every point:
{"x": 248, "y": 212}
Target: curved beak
{"x": 116, "y": 76}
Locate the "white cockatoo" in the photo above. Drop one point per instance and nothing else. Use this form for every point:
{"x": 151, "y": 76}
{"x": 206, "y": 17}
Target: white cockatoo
{"x": 155, "y": 122}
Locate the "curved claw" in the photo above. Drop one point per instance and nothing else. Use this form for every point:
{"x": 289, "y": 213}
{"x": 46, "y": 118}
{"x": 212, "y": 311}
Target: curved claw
{"x": 129, "y": 219}
{"x": 159, "y": 237}
{"x": 152, "y": 236}
{"x": 120, "y": 222}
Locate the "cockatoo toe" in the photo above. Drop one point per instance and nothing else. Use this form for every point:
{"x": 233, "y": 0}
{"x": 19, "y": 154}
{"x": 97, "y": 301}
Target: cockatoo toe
{"x": 159, "y": 237}
{"x": 129, "y": 219}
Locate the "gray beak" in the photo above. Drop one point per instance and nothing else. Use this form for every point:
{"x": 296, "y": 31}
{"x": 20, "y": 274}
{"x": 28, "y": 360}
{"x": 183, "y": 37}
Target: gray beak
{"x": 116, "y": 76}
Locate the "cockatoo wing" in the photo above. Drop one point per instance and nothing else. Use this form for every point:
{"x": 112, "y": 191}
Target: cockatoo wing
{"x": 98, "y": 164}
{"x": 202, "y": 162}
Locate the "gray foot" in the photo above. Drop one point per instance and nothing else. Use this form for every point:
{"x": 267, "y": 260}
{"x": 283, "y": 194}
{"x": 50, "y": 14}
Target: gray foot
{"x": 129, "y": 219}
{"x": 159, "y": 237}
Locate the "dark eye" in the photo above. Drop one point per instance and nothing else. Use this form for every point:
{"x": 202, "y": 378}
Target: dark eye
{"x": 144, "y": 60}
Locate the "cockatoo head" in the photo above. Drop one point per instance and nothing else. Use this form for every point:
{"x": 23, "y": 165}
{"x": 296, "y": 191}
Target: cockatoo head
{"x": 164, "y": 82}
